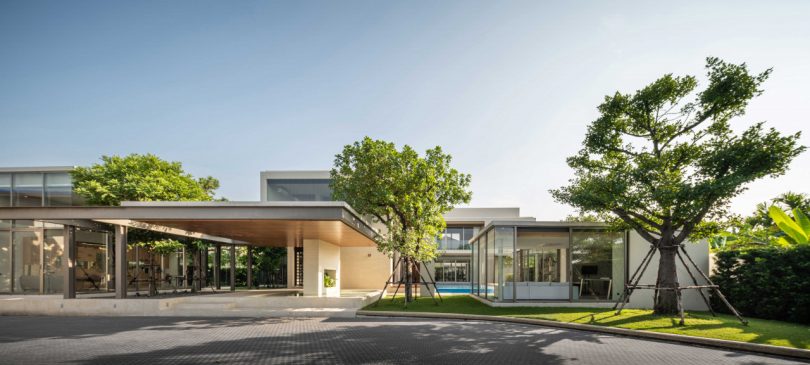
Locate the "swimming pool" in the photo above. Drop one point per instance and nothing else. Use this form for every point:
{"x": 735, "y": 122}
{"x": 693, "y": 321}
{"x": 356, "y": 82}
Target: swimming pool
{"x": 463, "y": 288}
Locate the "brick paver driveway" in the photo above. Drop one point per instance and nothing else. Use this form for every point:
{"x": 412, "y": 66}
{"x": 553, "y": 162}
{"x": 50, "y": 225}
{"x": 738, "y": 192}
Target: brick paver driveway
{"x": 153, "y": 340}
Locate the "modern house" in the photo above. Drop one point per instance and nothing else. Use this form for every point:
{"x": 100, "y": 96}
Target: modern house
{"x": 52, "y": 243}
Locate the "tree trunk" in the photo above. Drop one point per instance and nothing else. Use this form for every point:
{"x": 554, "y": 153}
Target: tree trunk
{"x": 408, "y": 281}
{"x": 666, "y": 302}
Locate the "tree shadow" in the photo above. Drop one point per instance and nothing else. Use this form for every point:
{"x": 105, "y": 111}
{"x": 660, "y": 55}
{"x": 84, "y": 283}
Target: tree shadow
{"x": 42, "y": 327}
{"x": 338, "y": 341}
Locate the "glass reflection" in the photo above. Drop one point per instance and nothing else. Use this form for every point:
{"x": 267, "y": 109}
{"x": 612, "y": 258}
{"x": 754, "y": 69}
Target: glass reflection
{"x": 27, "y": 265}
{"x": 598, "y": 264}
{"x": 27, "y": 190}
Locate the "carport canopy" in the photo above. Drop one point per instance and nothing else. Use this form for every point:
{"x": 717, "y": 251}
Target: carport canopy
{"x": 264, "y": 224}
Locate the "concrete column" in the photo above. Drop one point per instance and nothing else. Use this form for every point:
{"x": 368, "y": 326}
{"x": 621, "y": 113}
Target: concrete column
{"x": 290, "y": 267}
{"x": 204, "y": 267}
{"x": 249, "y": 267}
{"x": 233, "y": 267}
{"x": 109, "y": 271}
{"x": 185, "y": 268}
{"x": 321, "y": 257}
{"x": 218, "y": 266}
{"x": 69, "y": 263}
{"x": 120, "y": 262}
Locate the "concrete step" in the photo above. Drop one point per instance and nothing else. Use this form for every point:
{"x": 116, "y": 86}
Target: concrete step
{"x": 201, "y": 306}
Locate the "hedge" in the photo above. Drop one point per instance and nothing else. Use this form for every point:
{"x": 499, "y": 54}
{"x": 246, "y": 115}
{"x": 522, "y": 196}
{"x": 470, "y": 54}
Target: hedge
{"x": 770, "y": 283}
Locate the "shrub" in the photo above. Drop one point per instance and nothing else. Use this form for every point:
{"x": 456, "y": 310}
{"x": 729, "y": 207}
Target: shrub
{"x": 770, "y": 283}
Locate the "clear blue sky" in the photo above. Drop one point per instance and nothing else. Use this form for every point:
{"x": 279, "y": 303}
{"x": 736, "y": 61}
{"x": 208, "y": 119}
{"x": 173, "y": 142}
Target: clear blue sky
{"x": 508, "y": 88}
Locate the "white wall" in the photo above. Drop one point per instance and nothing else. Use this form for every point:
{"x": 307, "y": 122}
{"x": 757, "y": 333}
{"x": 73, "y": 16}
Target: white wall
{"x": 320, "y": 256}
{"x": 643, "y": 298}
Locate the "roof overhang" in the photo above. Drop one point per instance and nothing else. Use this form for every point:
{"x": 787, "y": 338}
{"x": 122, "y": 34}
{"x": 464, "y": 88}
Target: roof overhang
{"x": 277, "y": 224}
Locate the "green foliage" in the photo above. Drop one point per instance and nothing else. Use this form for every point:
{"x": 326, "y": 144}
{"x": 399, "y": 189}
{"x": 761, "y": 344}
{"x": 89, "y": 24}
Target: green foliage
{"x": 161, "y": 246}
{"x": 795, "y": 231}
{"x": 405, "y": 192}
{"x": 139, "y": 178}
{"x": 663, "y": 164}
{"x": 770, "y": 282}
{"x": 328, "y": 281}
{"x": 760, "y": 230}
{"x": 787, "y": 201}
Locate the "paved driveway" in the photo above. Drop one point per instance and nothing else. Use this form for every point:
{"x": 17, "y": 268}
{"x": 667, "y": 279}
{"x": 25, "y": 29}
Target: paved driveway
{"x": 152, "y": 340}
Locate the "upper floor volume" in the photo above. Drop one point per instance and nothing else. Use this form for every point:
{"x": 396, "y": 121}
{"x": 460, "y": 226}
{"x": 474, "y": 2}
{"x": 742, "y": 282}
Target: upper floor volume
{"x": 37, "y": 187}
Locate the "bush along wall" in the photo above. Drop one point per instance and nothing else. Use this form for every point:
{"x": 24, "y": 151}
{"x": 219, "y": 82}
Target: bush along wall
{"x": 770, "y": 283}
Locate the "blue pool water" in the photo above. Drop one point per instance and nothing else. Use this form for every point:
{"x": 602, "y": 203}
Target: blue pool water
{"x": 455, "y": 288}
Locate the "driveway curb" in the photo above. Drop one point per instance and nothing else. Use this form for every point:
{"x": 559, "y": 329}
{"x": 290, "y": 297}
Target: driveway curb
{"x": 711, "y": 342}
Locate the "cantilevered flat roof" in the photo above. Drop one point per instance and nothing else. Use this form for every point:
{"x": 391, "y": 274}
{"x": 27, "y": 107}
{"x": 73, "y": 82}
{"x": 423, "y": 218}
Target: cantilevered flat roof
{"x": 277, "y": 224}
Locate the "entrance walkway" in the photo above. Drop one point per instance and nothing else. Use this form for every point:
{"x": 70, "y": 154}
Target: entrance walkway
{"x": 241, "y": 303}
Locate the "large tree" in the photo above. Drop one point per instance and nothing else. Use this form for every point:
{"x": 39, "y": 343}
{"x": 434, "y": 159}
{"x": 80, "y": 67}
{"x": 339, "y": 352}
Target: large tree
{"x": 137, "y": 177}
{"x": 665, "y": 159}
{"x": 405, "y": 192}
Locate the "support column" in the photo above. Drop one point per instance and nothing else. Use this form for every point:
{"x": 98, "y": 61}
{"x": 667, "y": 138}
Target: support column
{"x": 290, "y": 267}
{"x": 69, "y": 263}
{"x": 249, "y": 267}
{"x": 185, "y": 268}
{"x": 120, "y": 262}
{"x": 204, "y": 267}
{"x": 218, "y": 266}
{"x": 109, "y": 270}
{"x": 321, "y": 258}
{"x": 233, "y": 267}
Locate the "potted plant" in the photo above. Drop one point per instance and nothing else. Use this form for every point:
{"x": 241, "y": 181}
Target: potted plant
{"x": 330, "y": 288}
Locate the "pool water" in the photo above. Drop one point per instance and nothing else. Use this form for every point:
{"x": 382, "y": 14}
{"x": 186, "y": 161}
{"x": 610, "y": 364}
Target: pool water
{"x": 456, "y": 288}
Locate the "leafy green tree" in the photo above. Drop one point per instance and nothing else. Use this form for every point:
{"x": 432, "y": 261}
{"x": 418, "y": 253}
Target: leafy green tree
{"x": 139, "y": 177}
{"x": 665, "y": 159}
{"x": 405, "y": 192}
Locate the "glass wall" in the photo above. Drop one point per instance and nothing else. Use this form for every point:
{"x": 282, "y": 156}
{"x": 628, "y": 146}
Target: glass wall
{"x": 58, "y": 189}
{"x": 451, "y": 270}
{"x": 598, "y": 267}
{"x": 474, "y": 268}
{"x": 32, "y": 258}
{"x": 33, "y": 189}
{"x": 298, "y": 190}
{"x": 542, "y": 272}
{"x": 27, "y": 190}
{"x": 455, "y": 238}
{"x": 548, "y": 264}
{"x": 53, "y": 247}
{"x": 504, "y": 262}
{"x": 5, "y": 190}
{"x": 5, "y": 257}
{"x": 93, "y": 262}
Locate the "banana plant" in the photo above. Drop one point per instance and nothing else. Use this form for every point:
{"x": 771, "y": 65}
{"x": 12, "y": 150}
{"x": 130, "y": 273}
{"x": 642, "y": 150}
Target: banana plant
{"x": 796, "y": 230}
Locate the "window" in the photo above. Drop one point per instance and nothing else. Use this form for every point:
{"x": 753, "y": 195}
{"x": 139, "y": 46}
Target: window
{"x": 455, "y": 238}
{"x": 27, "y": 190}
{"x": 597, "y": 263}
{"x": 298, "y": 190}
{"x": 58, "y": 189}
{"x": 5, "y": 190}
{"x": 451, "y": 271}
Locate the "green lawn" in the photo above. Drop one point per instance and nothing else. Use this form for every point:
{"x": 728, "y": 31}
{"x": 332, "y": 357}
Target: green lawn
{"x": 700, "y": 324}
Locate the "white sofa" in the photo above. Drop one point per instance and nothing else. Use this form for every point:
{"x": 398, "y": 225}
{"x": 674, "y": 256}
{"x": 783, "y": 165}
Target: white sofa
{"x": 530, "y": 290}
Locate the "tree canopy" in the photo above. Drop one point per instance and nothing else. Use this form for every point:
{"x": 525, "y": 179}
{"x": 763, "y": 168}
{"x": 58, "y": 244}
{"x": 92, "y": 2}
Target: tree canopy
{"x": 405, "y": 192}
{"x": 665, "y": 158}
{"x": 137, "y": 177}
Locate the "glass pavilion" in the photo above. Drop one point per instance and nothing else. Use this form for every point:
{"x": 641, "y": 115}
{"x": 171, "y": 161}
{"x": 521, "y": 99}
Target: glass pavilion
{"x": 548, "y": 261}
